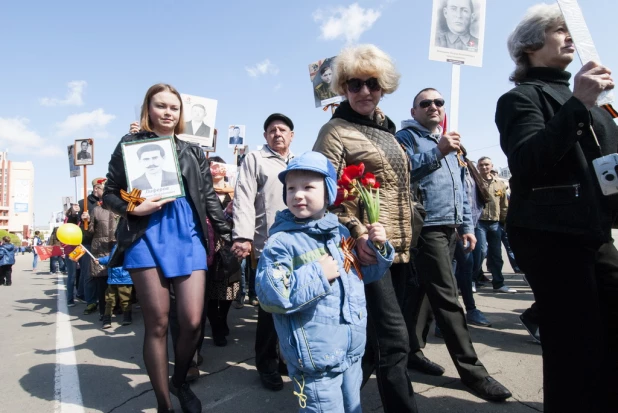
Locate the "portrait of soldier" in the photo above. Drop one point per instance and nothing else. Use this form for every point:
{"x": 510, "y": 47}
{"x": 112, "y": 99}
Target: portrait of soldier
{"x": 458, "y": 15}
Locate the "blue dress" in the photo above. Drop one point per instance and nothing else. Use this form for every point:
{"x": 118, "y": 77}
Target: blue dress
{"x": 173, "y": 242}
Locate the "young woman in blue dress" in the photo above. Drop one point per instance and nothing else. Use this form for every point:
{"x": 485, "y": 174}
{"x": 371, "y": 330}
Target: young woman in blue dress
{"x": 162, "y": 243}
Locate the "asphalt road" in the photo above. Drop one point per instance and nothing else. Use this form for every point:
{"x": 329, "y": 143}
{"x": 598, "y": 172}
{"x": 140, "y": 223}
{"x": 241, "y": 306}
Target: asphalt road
{"x": 56, "y": 359}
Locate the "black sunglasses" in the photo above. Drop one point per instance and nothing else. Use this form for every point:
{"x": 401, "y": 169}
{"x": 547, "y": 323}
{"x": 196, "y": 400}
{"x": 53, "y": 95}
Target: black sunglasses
{"x": 425, "y": 103}
{"x": 355, "y": 85}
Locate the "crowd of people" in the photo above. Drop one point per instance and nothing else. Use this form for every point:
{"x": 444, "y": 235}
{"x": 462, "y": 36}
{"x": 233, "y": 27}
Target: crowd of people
{"x": 341, "y": 297}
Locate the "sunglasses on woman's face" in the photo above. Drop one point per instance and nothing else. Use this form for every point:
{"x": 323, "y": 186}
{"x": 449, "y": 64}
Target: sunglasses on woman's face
{"x": 355, "y": 85}
{"x": 425, "y": 103}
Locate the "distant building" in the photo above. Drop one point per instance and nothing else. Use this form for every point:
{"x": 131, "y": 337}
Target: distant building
{"x": 16, "y": 196}
{"x": 504, "y": 173}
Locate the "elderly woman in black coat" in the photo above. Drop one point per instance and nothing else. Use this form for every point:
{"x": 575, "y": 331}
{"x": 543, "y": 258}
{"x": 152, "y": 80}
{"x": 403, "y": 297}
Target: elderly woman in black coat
{"x": 559, "y": 222}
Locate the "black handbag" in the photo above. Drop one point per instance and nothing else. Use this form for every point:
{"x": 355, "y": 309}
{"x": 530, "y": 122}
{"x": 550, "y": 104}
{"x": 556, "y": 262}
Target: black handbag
{"x": 226, "y": 265}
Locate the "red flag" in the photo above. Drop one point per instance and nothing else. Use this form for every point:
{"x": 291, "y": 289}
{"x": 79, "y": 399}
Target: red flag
{"x": 443, "y": 124}
{"x": 44, "y": 252}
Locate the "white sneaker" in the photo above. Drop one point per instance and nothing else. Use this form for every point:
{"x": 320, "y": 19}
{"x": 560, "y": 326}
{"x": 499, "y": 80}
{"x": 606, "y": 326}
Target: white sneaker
{"x": 473, "y": 288}
{"x": 505, "y": 289}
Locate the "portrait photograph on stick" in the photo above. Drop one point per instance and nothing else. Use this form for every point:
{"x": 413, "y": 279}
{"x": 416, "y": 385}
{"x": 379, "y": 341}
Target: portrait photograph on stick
{"x": 457, "y": 31}
{"x": 66, "y": 202}
{"x": 235, "y": 135}
{"x": 74, "y": 170}
{"x": 321, "y": 74}
{"x": 199, "y": 116}
{"x": 84, "y": 152}
{"x": 151, "y": 166}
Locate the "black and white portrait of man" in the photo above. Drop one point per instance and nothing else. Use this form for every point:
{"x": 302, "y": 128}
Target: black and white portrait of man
{"x": 458, "y": 16}
{"x": 152, "y": 157}
{"x": 84, "y": 152}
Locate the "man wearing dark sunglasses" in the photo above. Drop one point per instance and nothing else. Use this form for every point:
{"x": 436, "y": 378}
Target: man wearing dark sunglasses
{"x": 437, "y": 181}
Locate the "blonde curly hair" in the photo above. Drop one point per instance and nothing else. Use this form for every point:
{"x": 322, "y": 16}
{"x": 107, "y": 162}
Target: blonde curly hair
{"x": 364, "y": 60}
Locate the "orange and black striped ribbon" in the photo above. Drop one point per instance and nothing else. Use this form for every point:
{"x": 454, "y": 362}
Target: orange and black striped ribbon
{"x": 349, "y": 259}
{"x": 608, "y": 107}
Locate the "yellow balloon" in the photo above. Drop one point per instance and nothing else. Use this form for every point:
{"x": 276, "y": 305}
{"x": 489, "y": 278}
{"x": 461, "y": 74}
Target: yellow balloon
{"x": 69, "y": 234}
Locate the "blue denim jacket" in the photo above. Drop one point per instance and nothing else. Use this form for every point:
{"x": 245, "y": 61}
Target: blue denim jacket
{"x": 439, "y": 178}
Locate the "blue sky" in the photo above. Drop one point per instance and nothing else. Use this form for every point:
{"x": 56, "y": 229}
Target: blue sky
{"x": 75, "y": 69}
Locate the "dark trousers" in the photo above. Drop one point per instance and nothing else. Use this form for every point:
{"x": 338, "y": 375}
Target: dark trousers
{"x": 387, "y": 341}
{"x": 575, "y": 284}
{"x": 5, "y": 274}
{"x": 436, "y": 248}
{"x": 266, "y": 356}
{"x": 217, "y": 315}
{"x": 100, "y": 287}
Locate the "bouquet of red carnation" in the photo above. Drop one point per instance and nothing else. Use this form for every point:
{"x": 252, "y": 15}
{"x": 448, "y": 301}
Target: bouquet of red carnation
{"x": 354, "y": 182}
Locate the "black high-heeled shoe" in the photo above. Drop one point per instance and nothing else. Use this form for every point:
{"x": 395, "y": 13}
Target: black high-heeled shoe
{"x": 188, "y": 400}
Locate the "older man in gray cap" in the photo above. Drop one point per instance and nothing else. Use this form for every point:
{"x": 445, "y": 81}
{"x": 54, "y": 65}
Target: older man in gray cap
{"x": 256, "y": 201}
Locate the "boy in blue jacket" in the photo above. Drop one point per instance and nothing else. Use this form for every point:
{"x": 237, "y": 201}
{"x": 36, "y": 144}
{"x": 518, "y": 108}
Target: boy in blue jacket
{"x": 120, "y": 284}
{"x": 318, "y": 308}
{"x": 7, "y": 260}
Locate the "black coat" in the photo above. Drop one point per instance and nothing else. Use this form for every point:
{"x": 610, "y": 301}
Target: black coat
{"x": 199, "y": 192}
{"x": 545, "y": 134}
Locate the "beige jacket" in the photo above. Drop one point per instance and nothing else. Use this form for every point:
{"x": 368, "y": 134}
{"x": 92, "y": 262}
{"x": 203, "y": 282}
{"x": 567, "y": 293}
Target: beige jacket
{"x": 345, "y": 143}
{"x": 258, "y": 196}
{"x": 103, "y": 227}
{"x": 496, "y": 208}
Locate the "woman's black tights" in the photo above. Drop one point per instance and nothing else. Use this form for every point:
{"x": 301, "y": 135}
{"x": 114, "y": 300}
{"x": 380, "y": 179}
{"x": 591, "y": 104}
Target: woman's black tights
{"x": 153, "y": 295}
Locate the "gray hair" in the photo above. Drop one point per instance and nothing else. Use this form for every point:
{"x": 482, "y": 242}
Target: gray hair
{"x": 529, "y": 36}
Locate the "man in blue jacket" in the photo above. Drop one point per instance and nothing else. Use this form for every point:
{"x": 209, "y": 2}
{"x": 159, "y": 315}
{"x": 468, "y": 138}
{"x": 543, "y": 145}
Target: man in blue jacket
{"x": 437, "y": 180}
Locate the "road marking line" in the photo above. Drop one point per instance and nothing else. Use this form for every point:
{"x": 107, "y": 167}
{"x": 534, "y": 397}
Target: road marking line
{"x": 66, "y": 380}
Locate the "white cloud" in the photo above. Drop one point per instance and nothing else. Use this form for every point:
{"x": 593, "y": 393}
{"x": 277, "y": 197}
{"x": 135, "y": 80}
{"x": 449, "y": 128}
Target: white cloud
{"x": 73, "y": 97}
{"x": 92, "y": 123}
{"x": 18, "y": 138}
{"x": 277, "y": 87}
{"x": 345, "y": 22}
{"x": 265, "y": 67}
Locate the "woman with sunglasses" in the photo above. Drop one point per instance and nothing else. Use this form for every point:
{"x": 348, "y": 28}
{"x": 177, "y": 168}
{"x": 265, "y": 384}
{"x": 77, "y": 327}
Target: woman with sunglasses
{"x": 162, "y": 243}
{"x": 360, "y": 132}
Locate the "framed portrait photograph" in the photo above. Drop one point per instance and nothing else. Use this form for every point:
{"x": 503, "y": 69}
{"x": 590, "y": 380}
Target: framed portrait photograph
{"x": 83, "y": 151}
{"x": 235, "y": 136}
{"x": 67, "y": 200}
{"x": 199, "y": 115}
{"x": 74, "y": 170}
{"x": 321, "y": 74}
{"x": 151, "y": 165}
{"x": 457, "y": 31}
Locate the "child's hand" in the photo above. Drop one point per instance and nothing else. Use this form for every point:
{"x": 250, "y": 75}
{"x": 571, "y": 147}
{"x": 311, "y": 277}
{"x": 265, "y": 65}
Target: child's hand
{"x": 97, "y": 261}
{"x": 330, "y": 267}
{"x": 377, "y": 233}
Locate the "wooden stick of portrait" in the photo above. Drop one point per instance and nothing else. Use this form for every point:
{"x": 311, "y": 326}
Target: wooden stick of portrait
{"x": 85, "y": 197}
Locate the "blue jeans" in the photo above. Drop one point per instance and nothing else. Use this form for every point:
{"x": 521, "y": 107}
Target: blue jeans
{"x": 509, "y": 251}
{"x": 89, "y": 284}
{"x": 54, "y": 264}
{"x": 490, "y": 240}
{"x": 463, "y": 274}
{"x": 35, "y": 260}
{"x": 249, "y": 279}
{"x": 71, "y": 267}
{"x": 329, "y": 392}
